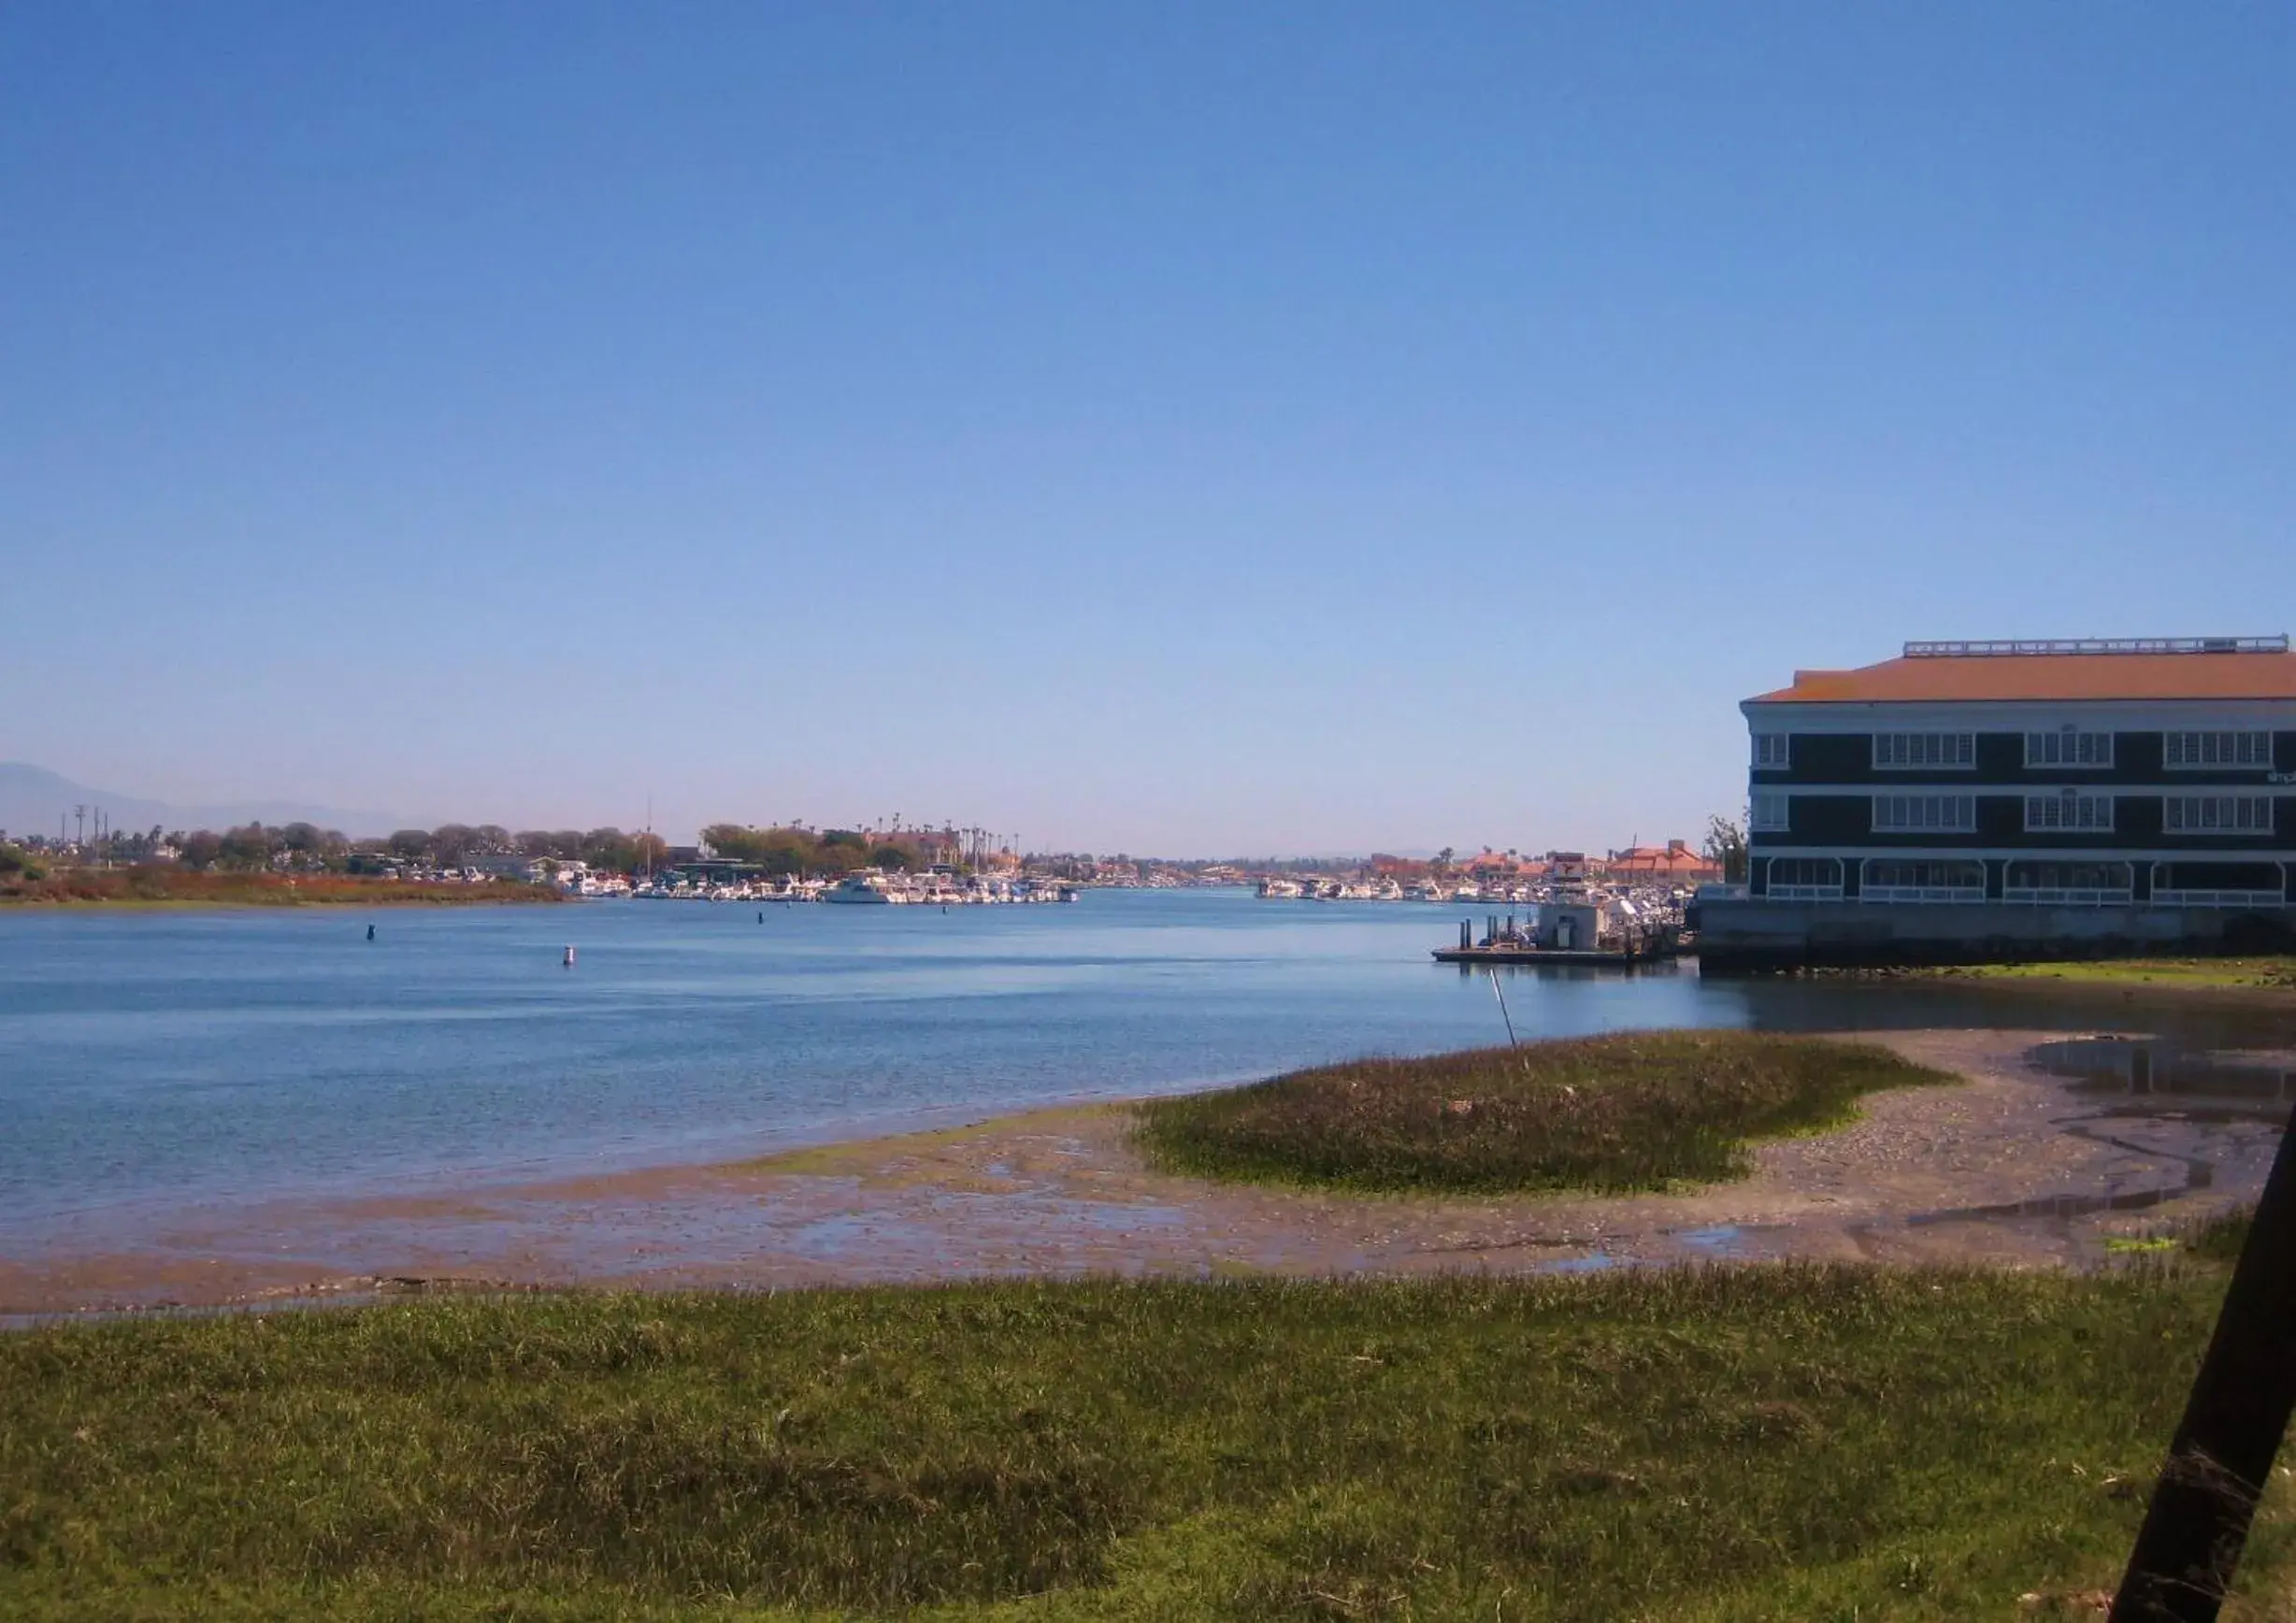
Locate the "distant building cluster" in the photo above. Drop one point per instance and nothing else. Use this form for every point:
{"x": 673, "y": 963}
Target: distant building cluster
{"x": 1673, "y": 863}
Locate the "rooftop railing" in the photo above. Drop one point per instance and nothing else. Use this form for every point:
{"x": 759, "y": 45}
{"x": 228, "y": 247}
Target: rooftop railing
{"x": 1995, "y": 650}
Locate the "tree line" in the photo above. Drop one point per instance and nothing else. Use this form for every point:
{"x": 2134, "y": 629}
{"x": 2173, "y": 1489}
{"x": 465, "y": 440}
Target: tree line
{"x": 305, "y": 847}
{"x": 788, "y": 851}
{"x": 454, "y": 845}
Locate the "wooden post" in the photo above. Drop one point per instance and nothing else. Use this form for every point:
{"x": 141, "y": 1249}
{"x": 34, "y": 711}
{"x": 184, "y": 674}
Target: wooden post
{"x": 2222, "y": 1453}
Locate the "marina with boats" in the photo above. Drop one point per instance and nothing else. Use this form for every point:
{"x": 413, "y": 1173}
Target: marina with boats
{"x": 1620, "y": 912}
{"x": 1569, "y": 917}
{"x": 866, "y": 888}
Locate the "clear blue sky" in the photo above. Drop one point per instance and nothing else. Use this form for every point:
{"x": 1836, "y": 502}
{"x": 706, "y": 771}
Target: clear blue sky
{"x": 1178, "y": 427}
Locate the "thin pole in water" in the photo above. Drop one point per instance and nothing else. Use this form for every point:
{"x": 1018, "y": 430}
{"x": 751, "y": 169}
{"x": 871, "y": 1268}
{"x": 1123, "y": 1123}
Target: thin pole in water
{"x": 1502, "y": 1008}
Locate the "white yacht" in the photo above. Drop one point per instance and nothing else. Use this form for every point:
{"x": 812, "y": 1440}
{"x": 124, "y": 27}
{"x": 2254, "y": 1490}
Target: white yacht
{"x": 858, "y": 887}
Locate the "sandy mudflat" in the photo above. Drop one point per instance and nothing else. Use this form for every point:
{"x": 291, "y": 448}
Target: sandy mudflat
{"x": 2015, "y": 1167}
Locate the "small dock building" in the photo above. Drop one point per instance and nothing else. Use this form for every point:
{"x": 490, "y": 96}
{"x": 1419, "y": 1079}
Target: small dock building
{"x": 1992, "y": 802}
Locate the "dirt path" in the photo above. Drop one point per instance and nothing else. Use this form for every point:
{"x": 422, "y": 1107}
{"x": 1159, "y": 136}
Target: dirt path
{"x": 2013, "y": 1167}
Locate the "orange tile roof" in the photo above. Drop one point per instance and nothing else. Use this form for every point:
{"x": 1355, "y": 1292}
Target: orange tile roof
{"x": 2047, "y": 676}
{"x": 1659, "y": 859}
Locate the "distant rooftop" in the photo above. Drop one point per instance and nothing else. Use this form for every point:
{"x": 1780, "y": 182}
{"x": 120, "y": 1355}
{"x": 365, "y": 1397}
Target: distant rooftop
{"x": 2098, "y": 645}
{"x": 2134, "y": 668}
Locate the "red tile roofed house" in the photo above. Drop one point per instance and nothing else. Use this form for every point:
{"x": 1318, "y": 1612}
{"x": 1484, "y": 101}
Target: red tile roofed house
{"x": 1673, "y": 863}
{"x": 1496, "y": 864}
{"x": 1971, "y": 799}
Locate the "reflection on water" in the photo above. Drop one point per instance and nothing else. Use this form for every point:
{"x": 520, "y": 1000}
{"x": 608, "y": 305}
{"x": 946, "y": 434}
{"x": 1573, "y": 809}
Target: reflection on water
{"x": 2158, "y": 1074}
{"x": 1721, "y": 1239}
{"x": 1587, "y": 1263}
{"x": 2190, "y": 1024}
{"x": 2072, "y": 1205}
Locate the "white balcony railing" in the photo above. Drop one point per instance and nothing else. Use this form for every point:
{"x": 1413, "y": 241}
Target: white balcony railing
{"x": 1804, "y": 893}
{"x": 2219, "y": 899}
{"x": 1930, "y": 893}
{"x": 2060, "y": 897}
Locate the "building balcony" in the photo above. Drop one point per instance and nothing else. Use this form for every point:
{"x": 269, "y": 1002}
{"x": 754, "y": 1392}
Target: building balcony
{"x": 1922, "y": 893}
{"x": 2042, "y": 896}
{"x": 2243, "y": 898}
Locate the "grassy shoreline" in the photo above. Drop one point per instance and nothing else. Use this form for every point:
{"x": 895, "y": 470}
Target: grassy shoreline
{"x": 2165, "y": 974}
{"x": 1634, "y": 1111}
{"x": 158, "y": 888}
{"x": 1714, "y": 1444}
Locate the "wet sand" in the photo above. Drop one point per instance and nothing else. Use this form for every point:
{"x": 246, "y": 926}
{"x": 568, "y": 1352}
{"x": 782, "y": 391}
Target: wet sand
{"x": 2016, "y": 1167}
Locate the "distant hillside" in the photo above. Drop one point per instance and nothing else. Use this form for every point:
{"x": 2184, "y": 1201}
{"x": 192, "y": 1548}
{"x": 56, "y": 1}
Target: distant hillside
{"x": 32, "y": 798}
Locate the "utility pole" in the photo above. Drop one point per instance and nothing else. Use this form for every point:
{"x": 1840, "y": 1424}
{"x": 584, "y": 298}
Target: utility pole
{"x": 79, "y": 819}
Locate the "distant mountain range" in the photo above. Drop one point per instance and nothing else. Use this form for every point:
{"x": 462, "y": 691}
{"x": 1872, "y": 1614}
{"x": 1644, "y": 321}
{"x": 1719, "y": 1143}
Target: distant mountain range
{"x": 33, "y": 799}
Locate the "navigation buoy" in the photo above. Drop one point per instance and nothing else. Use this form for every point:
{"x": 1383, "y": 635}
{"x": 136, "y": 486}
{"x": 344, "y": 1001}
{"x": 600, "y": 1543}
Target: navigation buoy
{"x": 371, "y": 932}
{"x": 569, "y": 957}
{"x": 761, "y": 915}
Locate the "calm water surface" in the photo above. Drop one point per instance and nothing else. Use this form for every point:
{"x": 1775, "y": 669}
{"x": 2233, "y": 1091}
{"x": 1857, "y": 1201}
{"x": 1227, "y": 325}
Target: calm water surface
{"x": 166, "y": 1059}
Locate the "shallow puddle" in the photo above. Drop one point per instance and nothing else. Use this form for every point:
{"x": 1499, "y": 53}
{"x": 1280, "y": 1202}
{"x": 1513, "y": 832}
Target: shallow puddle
{"x": 1720, "y": 1240}
{"x": 1591, "y": 1262}
{"x": 2062, "y": 1205}
{"x": 2177, "y": 1113}
{"x": 2156, "y": 1075}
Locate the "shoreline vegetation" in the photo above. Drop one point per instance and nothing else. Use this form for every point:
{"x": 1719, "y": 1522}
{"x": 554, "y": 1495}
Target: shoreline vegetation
{"x": 1715, "y": 1444}
{"x": 158, "y": 886}
{"x": 2166, "y": 974}
{"x": 1636, "y": 1111}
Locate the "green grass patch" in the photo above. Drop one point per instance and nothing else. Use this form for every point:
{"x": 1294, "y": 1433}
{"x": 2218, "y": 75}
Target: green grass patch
{"x": 1645, "y": 1110}
{"x": 1716, "y": 1445}
{"x": 2172, "y": 972}
{"x": 2219, "y": 1238}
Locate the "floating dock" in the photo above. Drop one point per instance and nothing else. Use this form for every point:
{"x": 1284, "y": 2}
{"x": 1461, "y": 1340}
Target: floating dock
{"x": 1559, "y": 957}
{"x": 1569, "y": 934}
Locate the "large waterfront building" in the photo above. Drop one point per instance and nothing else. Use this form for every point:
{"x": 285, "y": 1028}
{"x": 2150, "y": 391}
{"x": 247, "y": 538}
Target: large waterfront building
{"x": 1992, "y": 798}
